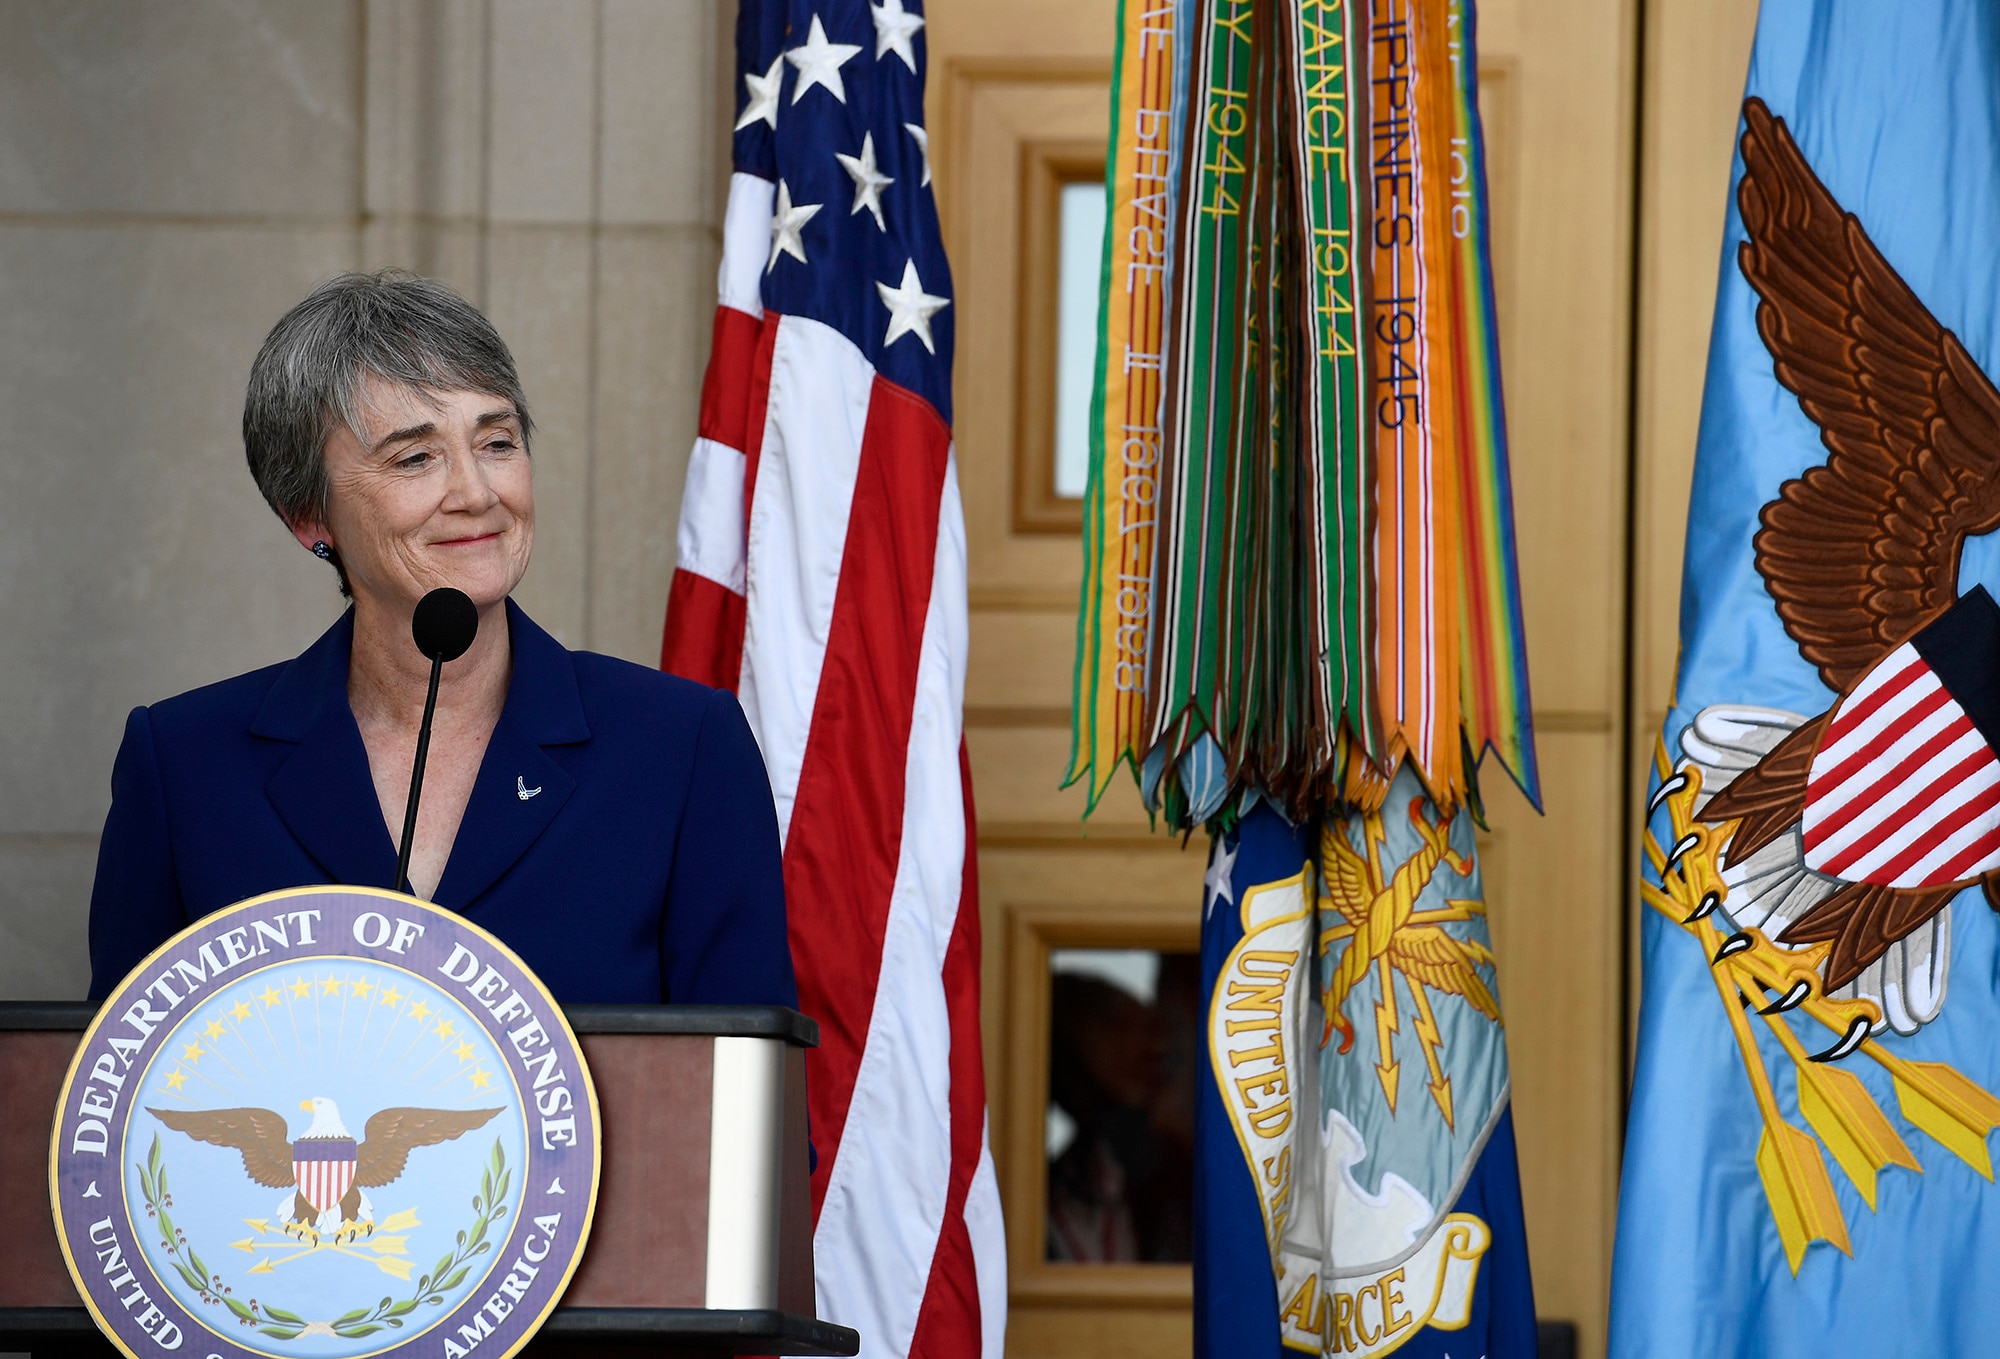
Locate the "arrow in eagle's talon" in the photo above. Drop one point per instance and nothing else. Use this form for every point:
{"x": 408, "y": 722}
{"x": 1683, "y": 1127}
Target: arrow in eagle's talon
{"x": 1681, "y": 847}
{"x": 1732, "y": 946}
{"x": 1705, "y": 908}
{"x": 1791, "y": 1000}
{"x": 1857, "y": 1030}
{"x": 1666, "y": 790}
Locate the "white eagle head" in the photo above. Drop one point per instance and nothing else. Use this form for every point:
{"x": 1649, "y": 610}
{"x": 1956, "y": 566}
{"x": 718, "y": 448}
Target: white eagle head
{"x": 326, "y": 1118}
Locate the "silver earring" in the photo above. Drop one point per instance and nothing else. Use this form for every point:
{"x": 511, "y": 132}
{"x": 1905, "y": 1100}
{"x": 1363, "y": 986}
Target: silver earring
{"x": 322, "y": 551}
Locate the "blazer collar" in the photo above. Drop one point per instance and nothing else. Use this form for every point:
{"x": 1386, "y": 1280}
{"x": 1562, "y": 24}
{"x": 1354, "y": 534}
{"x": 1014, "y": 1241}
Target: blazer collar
{"x": 541, "y": 694}
{"x": 308, "y": 686}
{"x": 326, "y": 795}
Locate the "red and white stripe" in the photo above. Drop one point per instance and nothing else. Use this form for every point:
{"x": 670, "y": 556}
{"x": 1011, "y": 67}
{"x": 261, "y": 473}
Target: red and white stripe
{"x": 324, "y": 1183}
{"x": 822, "y": 576}
{"x": 1904, "y": 790}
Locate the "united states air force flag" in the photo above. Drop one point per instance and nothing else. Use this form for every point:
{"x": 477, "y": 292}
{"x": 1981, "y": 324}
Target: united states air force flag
{"x": 1355, "y": 1183}
{"x": 1809, "y": 1170}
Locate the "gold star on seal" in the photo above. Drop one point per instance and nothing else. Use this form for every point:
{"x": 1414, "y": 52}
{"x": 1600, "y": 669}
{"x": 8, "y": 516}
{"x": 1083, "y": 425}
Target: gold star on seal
{"x": 360, "y": 989}
{"x": 176, "y": 1079}
{"x": 239, "y": 1011}
{"x": 391, "y": 997}
{"x": 215, "y": 1029}
{"x": 462, "y": 1051}
{"x": 419, "y": 1010}
{"x": 480, "y": 1079}
{"x": 191, "y": 1053}
{"x": 301, "y": 988}
{"x": 270, "y": 996}
{"x": 330, "y": 987}
{"x": 445, "y": 1029}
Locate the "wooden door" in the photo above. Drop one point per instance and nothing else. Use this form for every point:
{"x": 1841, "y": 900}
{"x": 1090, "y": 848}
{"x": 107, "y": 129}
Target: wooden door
{"x": 1019, "y": 97}
{"x": 1697, "y": 55}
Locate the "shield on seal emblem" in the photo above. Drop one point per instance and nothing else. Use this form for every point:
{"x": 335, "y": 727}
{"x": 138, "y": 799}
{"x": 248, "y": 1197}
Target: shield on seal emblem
{"x": 325, "y": 1169}
{"x": 1904, "y": 790}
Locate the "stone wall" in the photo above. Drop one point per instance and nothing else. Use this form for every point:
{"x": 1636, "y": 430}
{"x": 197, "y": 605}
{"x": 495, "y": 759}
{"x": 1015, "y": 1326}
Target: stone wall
{"x": 172, "y": 178}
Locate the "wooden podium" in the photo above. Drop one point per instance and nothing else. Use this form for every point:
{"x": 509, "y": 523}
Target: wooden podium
{"x": 702, "y": 1243}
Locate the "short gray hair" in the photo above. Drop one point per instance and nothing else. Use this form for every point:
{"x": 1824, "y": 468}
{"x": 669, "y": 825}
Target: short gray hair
{"x": 402, "y": 328}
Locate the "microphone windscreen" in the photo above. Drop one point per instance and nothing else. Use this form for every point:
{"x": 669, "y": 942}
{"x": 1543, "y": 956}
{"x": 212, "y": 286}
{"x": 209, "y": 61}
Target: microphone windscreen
{"x": 444, "y": 624}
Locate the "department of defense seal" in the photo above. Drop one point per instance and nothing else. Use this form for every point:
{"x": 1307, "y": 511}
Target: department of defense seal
{"x": 330, "y": 1122}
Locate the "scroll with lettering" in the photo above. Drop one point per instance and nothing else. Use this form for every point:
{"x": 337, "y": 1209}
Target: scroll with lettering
{"x": 1121, "y": 502}
{"x": 1256, "y": 1120}
{"x": 1207, "y": 350}
{"x": 1329, "y": 149}
{"x": 1414, "y": 416}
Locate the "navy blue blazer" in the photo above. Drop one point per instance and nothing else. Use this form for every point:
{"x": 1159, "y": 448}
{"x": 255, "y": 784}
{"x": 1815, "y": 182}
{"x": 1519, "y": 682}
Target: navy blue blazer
{"x": 646, "y": 869}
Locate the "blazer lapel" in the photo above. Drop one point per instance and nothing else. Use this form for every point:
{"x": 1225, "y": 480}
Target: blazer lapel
{"x": 520, "y": 789}
{"x": 326, "y": 796}
{"x": 324, "y": 792}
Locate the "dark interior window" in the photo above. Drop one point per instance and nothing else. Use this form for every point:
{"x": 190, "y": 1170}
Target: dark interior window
{"x": 1123, "y": 1025}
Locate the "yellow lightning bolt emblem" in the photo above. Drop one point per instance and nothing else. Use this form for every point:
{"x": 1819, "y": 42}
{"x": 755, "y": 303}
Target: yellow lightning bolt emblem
{"x": 1433, "y": 1042}
{"x": 1388, "y": 935}
{"x": 1386, "y": 1066}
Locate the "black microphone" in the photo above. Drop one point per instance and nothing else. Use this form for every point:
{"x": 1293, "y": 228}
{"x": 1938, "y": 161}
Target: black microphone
{"x": 443, "y": 627}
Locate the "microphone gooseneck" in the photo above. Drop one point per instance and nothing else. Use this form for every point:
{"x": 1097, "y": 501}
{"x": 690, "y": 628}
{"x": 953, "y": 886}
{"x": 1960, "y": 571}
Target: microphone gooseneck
{"x": 443, "y": 628}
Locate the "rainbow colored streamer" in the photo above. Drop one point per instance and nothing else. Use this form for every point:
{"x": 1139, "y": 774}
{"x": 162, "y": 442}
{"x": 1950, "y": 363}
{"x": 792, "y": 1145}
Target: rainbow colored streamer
{"x": 1496, "y": 709}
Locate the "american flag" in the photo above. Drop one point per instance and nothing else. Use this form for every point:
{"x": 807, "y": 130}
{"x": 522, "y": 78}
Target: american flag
{"x": 821, "y": 576}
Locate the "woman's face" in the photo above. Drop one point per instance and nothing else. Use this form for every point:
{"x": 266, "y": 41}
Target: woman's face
{"x": 436, "y": 489}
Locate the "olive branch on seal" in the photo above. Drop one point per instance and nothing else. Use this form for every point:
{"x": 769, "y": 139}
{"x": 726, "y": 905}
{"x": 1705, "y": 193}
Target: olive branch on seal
{"x": 187, "y": 1261}
{"x": 489, "y": 1205}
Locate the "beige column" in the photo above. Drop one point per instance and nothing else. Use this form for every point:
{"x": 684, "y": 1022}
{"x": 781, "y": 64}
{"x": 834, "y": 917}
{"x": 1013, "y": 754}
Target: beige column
{"x": 171, "y": 179}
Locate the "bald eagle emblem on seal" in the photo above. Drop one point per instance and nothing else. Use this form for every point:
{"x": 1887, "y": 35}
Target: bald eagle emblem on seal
{"x": 326, "y": 1170}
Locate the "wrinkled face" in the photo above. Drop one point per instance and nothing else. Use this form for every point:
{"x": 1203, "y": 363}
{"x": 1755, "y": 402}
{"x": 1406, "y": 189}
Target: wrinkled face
{"x": 435, "y": 489}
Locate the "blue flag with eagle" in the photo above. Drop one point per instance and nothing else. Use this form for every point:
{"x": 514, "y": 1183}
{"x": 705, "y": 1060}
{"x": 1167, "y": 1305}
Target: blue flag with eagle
{"x": 1355, "y": 1183}
{"x": 1808, "y": 1168}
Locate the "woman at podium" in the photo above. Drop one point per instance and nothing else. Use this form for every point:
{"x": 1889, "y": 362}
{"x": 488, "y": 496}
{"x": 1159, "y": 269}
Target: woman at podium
{"x": 613, "y": 824}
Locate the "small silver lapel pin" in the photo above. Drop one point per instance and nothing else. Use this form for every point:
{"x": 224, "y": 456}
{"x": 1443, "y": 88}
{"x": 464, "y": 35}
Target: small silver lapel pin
{"x": 522, "y": 790}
